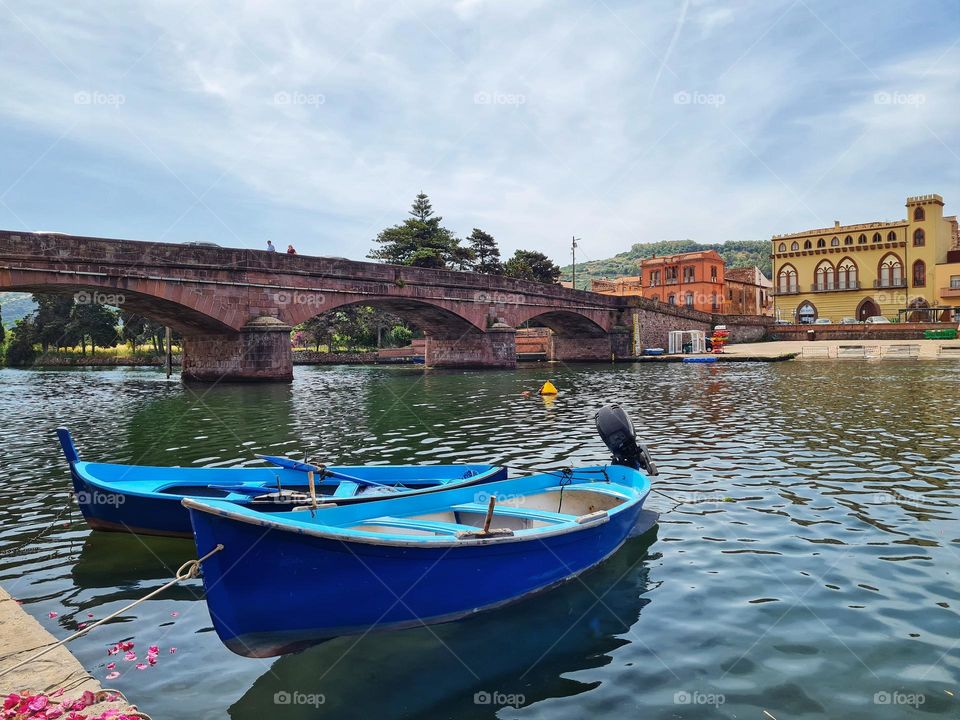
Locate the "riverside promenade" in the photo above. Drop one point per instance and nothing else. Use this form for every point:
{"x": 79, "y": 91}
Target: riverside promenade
{"x": 57, "y": 675}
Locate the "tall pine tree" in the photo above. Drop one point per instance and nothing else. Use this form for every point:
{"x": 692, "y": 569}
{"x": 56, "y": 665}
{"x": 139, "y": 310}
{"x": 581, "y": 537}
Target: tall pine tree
{"x": 486, "y": 253}
{"x": 421, "y": 240}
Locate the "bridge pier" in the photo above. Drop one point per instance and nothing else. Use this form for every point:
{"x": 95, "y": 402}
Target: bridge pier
{"x": 495, "y": 348}
{"x": 260, "y": 352}
{"x": 614, "y": 345}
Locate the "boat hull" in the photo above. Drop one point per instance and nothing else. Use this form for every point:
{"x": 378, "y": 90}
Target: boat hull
{"x": 273, "y": 592}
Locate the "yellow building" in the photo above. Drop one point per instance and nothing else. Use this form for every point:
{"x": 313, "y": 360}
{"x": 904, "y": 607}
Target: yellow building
{"x": 877, "y": 268}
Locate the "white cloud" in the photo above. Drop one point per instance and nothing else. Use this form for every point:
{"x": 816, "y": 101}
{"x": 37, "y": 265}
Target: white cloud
{"x": 535, "y": 122}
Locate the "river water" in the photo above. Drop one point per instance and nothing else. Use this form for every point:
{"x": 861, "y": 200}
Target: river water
{"x": 812, "y": 569}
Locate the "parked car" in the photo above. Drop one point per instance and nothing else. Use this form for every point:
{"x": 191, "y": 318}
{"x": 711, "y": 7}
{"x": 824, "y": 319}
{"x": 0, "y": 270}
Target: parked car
{"x": 823, "y": 321}
{"x": 876, "y": 320}
{"x": 849, "y": 321}
{"x": 782, "y": 322}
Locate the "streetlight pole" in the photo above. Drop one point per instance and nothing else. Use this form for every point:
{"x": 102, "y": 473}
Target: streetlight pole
{"x": 573, "y": 250}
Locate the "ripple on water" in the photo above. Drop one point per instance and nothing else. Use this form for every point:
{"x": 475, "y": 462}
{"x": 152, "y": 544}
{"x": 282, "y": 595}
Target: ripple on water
{"x": 811, "y": 564}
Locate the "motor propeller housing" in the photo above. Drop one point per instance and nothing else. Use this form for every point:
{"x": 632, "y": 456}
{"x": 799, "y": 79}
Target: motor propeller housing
{"x": 616, "y": 431}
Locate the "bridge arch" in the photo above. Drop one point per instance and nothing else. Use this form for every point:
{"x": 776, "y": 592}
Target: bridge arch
{"x": 566, "y": 323}
{"x": 186, "y": 311}
{"x": 431, "y": 317}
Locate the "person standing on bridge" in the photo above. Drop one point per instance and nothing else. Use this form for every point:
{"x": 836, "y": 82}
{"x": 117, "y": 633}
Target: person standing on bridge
{"x": 290, "y": 250}
{"x": 270, "y": 247}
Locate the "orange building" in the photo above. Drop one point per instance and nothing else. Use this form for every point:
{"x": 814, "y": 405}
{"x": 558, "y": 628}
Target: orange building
{"x": 697, "y": 280}
{"x": 694, "y": 280}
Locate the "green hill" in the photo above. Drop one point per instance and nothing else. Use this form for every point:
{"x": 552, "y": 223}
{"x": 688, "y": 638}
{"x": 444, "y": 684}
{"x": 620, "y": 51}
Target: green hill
{"x": 15, "y": 305}
{"x": 736, "y": 254}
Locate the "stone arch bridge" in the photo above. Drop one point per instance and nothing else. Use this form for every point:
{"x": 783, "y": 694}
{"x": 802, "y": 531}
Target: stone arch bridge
{"x": 235, "y": 307}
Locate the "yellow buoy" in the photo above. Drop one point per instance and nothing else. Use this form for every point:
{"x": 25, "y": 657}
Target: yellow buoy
{"x": 548, "y": 388}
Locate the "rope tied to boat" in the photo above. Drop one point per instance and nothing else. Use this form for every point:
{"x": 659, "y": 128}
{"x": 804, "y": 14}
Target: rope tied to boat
{"x": 188, "y": 571}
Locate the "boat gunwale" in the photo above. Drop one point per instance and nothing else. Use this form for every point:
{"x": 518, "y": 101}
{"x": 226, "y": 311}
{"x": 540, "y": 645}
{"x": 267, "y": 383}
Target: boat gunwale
{"x": 109, "y": 485}
{"x": 249, "y": 516}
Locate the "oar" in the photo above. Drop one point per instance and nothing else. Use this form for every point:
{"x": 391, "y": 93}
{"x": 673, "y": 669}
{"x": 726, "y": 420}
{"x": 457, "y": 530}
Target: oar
{"x": 289, "y": 464}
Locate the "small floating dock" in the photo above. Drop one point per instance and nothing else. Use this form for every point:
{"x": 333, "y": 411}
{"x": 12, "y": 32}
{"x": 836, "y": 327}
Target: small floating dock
{"x": 21, "y": 636}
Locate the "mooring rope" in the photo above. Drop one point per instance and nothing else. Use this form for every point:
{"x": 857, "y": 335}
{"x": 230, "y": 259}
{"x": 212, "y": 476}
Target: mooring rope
{"x": 50, "y": 526}
{"x": 187, "y": 571}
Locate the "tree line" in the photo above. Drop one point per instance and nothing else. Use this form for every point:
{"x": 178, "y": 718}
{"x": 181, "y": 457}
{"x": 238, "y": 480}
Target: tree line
{"x": 61, "y": 322}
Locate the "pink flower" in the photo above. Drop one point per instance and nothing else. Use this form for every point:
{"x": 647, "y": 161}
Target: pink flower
{"x": 172, "y": 650}
{"x": 89, "y": 615}
{"x": 51, "y": 614}
{"x": 142, "y": 666}
{"x": 38, "y": 703}
{"x": 113, "y": 650}
{"x": 127, "y": 645}
{"x": 152, "y": 659}
{"x": 10, "y": 701}
{"x": 81, "y": 626}
{"x": 153, "y": 650}
{"x": 174, "y": 614}
{"x": 111, "y": 676}
{"x": 111, "y": 666}
{"x": 130, "y": 656}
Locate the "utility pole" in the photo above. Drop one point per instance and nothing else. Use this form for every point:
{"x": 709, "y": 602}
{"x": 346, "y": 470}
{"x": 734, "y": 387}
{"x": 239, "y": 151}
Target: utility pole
{"x": 573, "y": 250}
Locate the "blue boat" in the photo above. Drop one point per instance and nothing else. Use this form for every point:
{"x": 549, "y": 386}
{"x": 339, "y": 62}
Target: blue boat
{"x": 147, "y": 500}
{"x": 277, "y": 583}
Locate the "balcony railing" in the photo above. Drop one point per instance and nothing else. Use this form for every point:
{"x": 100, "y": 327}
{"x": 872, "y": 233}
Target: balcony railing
{"x": 834, "y": 287}
{"x": 888, "y": 283}
{"x": 791, "y": 290}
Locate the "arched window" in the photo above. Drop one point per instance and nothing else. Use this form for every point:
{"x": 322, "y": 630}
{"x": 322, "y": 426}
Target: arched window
{"x": 806, "y": 313}
{"x": 795, "y": 246}
{"x": 714, "y": 302}
{"x": 919, "y": 237}
{"x": 807, "y": 245}
{"x": 824, "y": 276}
{"x": 918, "y": 214}
{"x": 848, "y": 240}
{"x": 847, "y": 275}
{"x": 862, "y": 240}
{"x": 876, "y": 237}
{"x": 891, "y": 236}
{"x": 890, "y": 271}
{"x": 821, "y": 243}
{"x": 671, "y": 299}
{"x": 919, "y": 274}
{"x": 835, "y": 242}
{"x": 782, "y": 248}
{"x": 688, "y": 300}
{"x": 787, "y": 280}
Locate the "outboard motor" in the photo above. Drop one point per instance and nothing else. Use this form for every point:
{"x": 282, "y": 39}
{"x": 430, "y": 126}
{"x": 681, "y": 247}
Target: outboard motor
{"x": 617, "y": 432}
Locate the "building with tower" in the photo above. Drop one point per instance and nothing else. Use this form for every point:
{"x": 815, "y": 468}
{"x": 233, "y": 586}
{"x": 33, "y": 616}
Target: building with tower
{"x": 906, "y": 270}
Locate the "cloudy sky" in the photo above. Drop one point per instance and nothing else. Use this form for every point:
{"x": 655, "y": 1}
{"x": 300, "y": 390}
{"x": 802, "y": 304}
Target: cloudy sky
{"x": 620, "y": 122}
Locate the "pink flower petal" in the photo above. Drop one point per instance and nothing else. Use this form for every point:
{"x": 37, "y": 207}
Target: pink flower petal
{"x": 130, "y": 656}
{"x": 174, "y": 614}
{"x": 111, "y": 676}
{"x": 111, "y": 666}
{"x": 89, "y": 615}
{"x": 141, "y": 666}
{"x": 153, "y": 649}
{"x": 51, "y": 614}
{"x": 81, "y": 626}
{"x": 172, "y": 650}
